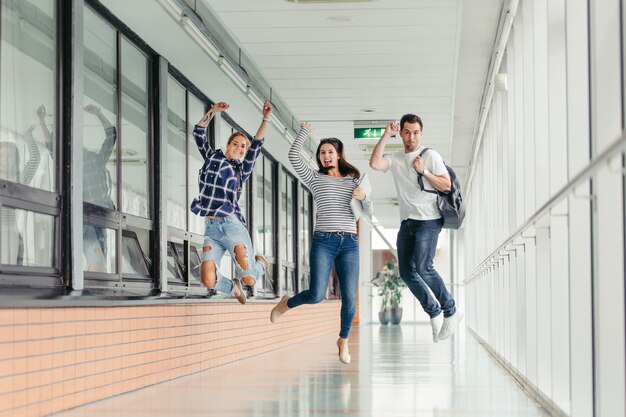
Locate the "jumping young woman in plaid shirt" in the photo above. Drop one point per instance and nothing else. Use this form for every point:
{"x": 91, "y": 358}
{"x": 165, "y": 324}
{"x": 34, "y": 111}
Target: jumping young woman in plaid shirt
{"x": 220, "y": 181}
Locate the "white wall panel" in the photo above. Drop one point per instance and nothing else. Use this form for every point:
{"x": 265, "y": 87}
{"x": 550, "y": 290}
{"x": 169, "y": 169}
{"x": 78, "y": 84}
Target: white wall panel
{"x": 606, "y": 124}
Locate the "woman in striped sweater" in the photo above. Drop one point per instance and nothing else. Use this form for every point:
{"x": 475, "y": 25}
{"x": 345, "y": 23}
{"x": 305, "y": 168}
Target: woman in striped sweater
{"x": 11, "y": 240}
{"x": 335, "y": 241}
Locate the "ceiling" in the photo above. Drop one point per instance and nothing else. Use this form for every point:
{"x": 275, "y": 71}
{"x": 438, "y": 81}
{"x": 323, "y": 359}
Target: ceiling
{"x": 338, "y": 64}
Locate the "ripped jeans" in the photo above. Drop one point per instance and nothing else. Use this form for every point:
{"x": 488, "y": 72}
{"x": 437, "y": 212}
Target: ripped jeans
{"x": 224, "y": 234}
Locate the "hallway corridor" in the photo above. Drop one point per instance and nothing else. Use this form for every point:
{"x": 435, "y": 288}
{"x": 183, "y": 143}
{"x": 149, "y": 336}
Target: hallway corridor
{"x": 395, "y": 371}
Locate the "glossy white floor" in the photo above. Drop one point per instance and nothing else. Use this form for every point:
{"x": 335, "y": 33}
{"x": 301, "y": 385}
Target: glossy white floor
{"x": 395, "y": 371}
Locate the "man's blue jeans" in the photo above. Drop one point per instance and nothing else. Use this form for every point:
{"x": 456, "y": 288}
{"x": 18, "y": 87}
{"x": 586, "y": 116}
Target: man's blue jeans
{"x": 416, "y": 243}
{"x": 342, "y": 249}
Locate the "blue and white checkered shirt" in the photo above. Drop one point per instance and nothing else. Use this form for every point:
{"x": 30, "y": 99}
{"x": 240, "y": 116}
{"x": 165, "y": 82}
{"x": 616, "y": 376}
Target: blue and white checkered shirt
{"x": 220, "y": 179}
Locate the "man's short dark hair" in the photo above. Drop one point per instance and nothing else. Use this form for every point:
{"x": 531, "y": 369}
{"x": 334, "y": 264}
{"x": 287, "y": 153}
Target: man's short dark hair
{"x": 411, "y": 118}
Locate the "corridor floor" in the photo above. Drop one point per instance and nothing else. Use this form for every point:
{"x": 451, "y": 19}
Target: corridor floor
{"x": 396, "y": 371}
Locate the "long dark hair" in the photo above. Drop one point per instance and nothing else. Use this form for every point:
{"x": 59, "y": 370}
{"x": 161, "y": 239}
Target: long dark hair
{"x": 344, "y": 167}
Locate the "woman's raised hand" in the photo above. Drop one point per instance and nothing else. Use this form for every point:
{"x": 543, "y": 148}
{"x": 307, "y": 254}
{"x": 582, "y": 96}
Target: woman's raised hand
{"x": 220, "y": 107}
{"x": 267, "y": 109}
{"x": 307, "y": 126}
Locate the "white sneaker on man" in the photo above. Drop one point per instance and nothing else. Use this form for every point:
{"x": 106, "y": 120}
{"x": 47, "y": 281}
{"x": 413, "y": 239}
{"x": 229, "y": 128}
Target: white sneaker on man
{"x": 450, "y": 324}
{"x": 435, "y": 324}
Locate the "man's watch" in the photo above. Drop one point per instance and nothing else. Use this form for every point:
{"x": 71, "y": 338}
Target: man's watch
{"x": 425, "y": 172}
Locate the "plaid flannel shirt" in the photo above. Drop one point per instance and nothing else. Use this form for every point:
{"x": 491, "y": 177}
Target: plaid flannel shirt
{"x": 220, "y": 179}
{"x": 97, "y": 181}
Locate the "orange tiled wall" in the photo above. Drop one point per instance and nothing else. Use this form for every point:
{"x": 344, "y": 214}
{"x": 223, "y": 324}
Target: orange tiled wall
{"x": 56, "y": 358}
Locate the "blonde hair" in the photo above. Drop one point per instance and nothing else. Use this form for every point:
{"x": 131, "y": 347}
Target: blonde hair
{"x": 234, "y": 135}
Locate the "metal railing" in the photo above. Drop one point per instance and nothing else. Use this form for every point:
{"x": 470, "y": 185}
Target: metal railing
{"x": 617, "y": 147}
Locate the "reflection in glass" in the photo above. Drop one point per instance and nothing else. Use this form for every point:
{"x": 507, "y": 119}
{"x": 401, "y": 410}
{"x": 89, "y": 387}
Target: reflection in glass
{"x": 99, "y": 246}
{"x": 135, "y": 123}
{"x": 26, "y": 238}
{"x": 268, "y": 212}
{"x": 305, "y": 236}
{"x": 174, "y": 269}
{"x": 194, "y": 264}
{"x": 177, "y": 206}
{"x": 257, "y": 214}
{"x": 133, "y": 260}
{"x": 28, "y": 89}
{"x": 99, "y": 181}
{"x": 196, "y": 110}
{"x": 289, "y": 222}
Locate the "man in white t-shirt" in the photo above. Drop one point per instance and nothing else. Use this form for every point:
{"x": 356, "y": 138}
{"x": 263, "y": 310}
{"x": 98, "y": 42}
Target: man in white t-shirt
{"x": 421, "y": 220}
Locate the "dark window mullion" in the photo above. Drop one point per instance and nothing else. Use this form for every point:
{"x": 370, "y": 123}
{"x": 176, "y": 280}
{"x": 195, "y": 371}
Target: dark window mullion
{"x": 118, "y": 151}
{"x": 187, "y": 248}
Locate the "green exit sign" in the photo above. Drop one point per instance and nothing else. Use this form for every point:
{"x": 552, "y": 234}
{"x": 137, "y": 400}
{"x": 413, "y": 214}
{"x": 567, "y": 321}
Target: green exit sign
{"x": 368, "y": 132}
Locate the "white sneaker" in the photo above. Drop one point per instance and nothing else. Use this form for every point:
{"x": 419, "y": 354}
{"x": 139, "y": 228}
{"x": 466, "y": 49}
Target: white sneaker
{"x": 435, "y": 323}
{"x": 450, "y": 325}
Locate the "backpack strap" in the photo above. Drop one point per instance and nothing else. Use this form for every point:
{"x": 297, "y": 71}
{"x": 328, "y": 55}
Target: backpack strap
{"x": 420, "y": 180}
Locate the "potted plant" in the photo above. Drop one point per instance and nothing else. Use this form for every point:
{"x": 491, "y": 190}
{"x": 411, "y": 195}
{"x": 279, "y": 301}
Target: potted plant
{"x": 390, "y": 287}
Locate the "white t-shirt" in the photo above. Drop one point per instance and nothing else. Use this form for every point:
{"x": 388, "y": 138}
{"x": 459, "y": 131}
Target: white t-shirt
{"x": 414, "y": 203}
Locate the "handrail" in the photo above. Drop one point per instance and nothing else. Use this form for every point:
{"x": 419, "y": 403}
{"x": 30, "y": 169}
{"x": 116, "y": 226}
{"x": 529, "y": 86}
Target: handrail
{"x": 618, "y": 146}
{"x": 369, "y": 221}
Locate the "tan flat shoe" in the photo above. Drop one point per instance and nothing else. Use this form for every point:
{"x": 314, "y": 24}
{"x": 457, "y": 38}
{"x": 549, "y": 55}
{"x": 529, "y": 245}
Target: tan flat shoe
{"x": 241, "y": 297}
{"x": 344, "y": 353}
{"x": 279, "y": 309}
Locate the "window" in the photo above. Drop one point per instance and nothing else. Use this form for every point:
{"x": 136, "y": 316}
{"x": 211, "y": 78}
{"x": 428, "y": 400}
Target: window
{"x": 263, "y": 216}
{"x": 304, "y": 236}
{"x": 176, "y": 151}
{"x": 116, "y": 158}
{"x": 29, "y": 165}
{"x": 287, "y": 222}
{"x": 184, "y": 161}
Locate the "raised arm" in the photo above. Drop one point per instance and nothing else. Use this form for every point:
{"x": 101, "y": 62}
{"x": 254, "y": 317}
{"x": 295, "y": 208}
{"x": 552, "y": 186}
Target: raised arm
{"x": 34, "y": 157}
{"x": 96, "y": 111}
{"x": 216, "y": 108}
{"x": 267, "y": 112}
{"x": 47, "y": 135}
{"x": 377, "y": 161}
{"x": 295, "y": 153}
{"x": 110, "y": 134}
{"x": 199, "y": 132}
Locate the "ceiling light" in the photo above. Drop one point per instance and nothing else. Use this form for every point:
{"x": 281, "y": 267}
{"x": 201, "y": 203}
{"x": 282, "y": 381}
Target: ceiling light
{"x": 339, "y": 19}
{"x": 328, "y": 1}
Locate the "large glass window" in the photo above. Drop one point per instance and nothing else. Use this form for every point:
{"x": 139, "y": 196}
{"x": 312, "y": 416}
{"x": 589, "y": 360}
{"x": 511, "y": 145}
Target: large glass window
{"x": 176, "y": 150}
{"x": 263, "y": 208}
{"x": 135, "y": 131}
{"x": 287, "y": 223}
{"x": 28, "y": 144}
{"x": 116, "y": 151}
{"x": 100, "y": 119}
{"x": 304, "y": 236}
{"x": 28, "y": 93}
{"x": 196, "y": 109}
{"x": 184, "y": 162}
{"x": 31, "y": 244}
{"x": 263, "y": 217}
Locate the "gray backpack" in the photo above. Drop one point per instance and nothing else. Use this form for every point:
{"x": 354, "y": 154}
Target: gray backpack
{"x": 451, "y": 204}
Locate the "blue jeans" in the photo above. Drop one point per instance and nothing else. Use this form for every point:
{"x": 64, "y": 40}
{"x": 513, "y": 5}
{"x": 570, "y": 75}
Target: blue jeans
{"x": 417, "y": 242}
{"x": 223, "y": 234}
{"x": 342, "y": 249}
